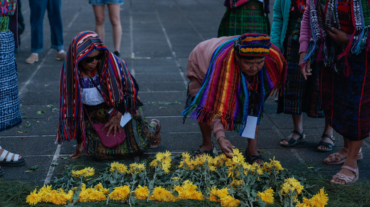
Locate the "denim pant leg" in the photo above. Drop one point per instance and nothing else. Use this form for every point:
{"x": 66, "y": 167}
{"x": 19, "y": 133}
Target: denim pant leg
{"x": 56, "y": 26}
{"x": 38, "y": 8}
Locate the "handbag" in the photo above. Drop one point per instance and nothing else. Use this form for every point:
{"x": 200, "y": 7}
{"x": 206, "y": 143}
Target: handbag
{"x": 110, "y": 140}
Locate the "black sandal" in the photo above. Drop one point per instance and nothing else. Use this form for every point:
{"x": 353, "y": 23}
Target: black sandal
{"x": 292, "y": 142}
{"x": 253, "y": 158}
{"x": 200, "y": 152}
{"x": 330, "y": 145}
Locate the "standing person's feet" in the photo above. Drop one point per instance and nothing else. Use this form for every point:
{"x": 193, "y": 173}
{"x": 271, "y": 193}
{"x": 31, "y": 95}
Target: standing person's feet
{"x": 340, "y": 157}
{"x": 294, "y": 138}
{"x": 116, "y": 53}
{"x": 10, "y": 159}
{"x": 254, "y": 156}
{"x": 61, "y": 54}
{"x": 33, "y": 58}
{"x": 326, "y": 144}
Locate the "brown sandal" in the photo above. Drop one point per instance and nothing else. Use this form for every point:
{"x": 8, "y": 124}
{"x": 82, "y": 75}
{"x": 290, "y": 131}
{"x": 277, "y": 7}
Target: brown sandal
{"x": 157, "y": 136}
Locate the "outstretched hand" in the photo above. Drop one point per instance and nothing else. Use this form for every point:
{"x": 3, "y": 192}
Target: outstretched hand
{"x": 338, "y": 35}
{"x": 114, "y": 124}
{"x": 306, "y": 69}
{"x": 226, "y": 146}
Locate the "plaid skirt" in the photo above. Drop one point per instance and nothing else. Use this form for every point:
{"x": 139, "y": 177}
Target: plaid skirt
{"x": 139, "y": 135}
{"x": 247, "y": 18}
{"x": 10, "y": 113}
{"x": 346, "y": 100}
{"x": 299, "y": 95}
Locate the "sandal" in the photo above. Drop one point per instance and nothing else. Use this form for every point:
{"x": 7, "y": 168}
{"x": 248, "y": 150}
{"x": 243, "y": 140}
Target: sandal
{"x": 253, "y": 158}
{"x": 292, "y": 142}
{"x": 349, "y": 180}
{"x": 157, "y": 136}
{"x": 329, "y": 145}
{"x": 342, "y": 158}
{"x": 1, "y": 171}
{"x": 199, "y": 152}
{"x": 10, "y": 161}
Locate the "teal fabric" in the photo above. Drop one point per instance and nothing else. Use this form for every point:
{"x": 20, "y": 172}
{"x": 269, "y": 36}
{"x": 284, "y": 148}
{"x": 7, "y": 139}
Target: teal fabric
{"x": 280, "y": 21}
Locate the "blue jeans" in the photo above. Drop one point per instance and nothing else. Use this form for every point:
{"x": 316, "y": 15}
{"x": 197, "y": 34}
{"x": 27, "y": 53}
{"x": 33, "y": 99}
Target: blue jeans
{"x": 38, "y": 8}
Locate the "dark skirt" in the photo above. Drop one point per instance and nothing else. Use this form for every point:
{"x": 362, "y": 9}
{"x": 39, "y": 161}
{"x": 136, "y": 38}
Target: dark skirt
{"x": 139, "y": 136}
{"x": 10, "y": 114}
{"x": 346, "y": 100}
{"x": 247, "y": 18}
{"x": 299, "y": 95}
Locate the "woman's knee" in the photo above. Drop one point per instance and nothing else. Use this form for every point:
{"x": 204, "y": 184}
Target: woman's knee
{"x": 115, "y": 21}
{"x": 99, "y": 20}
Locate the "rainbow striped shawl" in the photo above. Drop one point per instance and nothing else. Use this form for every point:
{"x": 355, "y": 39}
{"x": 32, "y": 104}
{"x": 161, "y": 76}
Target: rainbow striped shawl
{"x": 116, "y": 84}
{"x": 224, "y": 92}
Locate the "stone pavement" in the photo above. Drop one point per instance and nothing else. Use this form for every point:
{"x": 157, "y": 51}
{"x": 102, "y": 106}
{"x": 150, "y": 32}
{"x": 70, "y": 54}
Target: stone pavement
{"x": 158, "y": 36}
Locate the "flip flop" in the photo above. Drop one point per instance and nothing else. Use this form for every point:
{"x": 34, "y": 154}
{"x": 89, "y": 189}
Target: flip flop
{"x": 10, "y": 161}
{"x": 329, "y": 145}
{"x": 293, "y": 142}
{"x": 349, "y": 180}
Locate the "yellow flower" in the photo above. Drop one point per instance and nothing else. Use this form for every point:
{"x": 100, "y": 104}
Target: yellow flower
{"x": 33, "y": 198}
{"x": 99, "y": 187}
{"x": 319, "y": 200}
{"x": 162, "y": 160}
{"x": 136, "y": 168}
{"x": 236, "y": 183}
{"x": 217, "y": 194}
{"x": 86, "y": 172}
{"x": 293, "y": 185}
{"x": 162, "y": 195}
{"x": 121, "y": 168}
{"x": 141, "y": 193}
{"x": 267, "y": 166}
{"x": 188, "y": 191}
{"x": 120, "y": 193}
{"x": 175, "y": 178}
{"x": 229, "y": 201}
{"x": 267, "y": 196}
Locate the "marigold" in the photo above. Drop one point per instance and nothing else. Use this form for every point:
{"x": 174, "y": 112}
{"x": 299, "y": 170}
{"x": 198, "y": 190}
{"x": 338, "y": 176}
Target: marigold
{"x": 293, "y": 185}
{"x": 267, "y": 196}
{"x": 273, "y": 164}
{"x": 188, "y": 191}
{"x": 33, "y": 198}
{"x": 86, "y": 172}
{"x": 229, "y": 201}
{"x": 115, "y": 166}
{"x": 141, "y": 193}
{"x": 136, "y": 168}
{"x": 120, "y": 193}
{"x": 217, "y": 194}
{"x": 162, "y": 195}
{"x": 162, "y": 160}
{"x": 319, "y": 200}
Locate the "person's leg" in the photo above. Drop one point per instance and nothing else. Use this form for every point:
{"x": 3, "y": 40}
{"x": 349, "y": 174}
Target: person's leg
{"x": 342, "y": 153}
{"x": 56, "y": 25}
{"x": 252, "y": 147}
{"x": 207, "y": 136}
{"x": 99, "y": 11}
{"x": 298, "y": 126}
{"x": 38, "y": 8}
{"x": 351, "y": 161}
{"x": 114, "y": 10}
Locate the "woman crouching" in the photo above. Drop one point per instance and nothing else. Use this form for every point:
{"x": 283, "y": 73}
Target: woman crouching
{"x": 97, "y": 96}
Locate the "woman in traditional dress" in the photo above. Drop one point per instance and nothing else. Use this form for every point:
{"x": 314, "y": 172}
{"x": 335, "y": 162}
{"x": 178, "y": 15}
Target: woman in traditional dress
{"x": 299, "y": 95}
{"x": 96, "y": 87}
{"x": 340, "y": 40}
{"x": 230, "y": 79}
{"x": 10, "y": 114}
{"x": 245, "y": 16}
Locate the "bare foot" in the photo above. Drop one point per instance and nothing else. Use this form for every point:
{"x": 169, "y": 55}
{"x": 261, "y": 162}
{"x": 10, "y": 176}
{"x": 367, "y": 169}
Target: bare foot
{"x": 78, "y": 152}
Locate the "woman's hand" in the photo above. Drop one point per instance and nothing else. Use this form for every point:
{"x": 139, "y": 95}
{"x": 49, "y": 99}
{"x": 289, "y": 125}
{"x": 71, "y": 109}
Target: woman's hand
{"x": 114, "y": 123}
{"x": 79, "y": 150}
{"x": 338, "y": 35}
{"x": 306, "y": 69}
{"x": 226, "y": 146}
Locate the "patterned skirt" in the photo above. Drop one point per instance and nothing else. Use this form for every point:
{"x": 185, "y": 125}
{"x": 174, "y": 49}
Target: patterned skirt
{"x": 10, "y": 114}
{"x": 346, "y": 100}
{"x": 299, "y": 95}
{"x": 247, "y": 18}
{"x": 139, "y": 136}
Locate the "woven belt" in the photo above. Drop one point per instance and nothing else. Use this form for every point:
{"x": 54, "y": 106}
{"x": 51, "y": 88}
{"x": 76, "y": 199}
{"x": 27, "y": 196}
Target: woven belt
{"x": 4, "y": 23}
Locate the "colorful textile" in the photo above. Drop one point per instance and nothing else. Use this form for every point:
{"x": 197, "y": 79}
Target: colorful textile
{"x": 7, "y": 7}
{"x": 253, "y": 45}
{"x": 232, "y": 4}
{"x": 116, "y": 83}
{"x": 299, "y": 95}
{"x": 248, "y": 18}
{"x": 10, "y": 114}
{"x": 225, "y": 93}
{"x": 87, "y": 83}
{"x": 139, "y": 135}
{"x": 346, "y": 100}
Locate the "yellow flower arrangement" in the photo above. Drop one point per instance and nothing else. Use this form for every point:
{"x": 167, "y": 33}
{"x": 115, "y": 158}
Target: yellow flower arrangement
{"x": 293, "y": 185}
{"x": 120, "y": 193}
{"x": 267, "y": 166}
{"x": 163, "y": 160}
{"x": 217, "y": 194}
{"x": 86, "y": 172}
{"x": 115, "y": 166}
{"x": 136, "y": 168}
{"x": 98, "y": 193}
{"x": 319, "y": 200}
{"x": 267, "y": 196}
{"x": 189, "y": 191}
{"x": 33, "y": 198}
{"x": 141, "y": 193}
{"x": 162, "y": 195}
{"x": 229, "y": 201}
{"x": 47, "y": 195}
